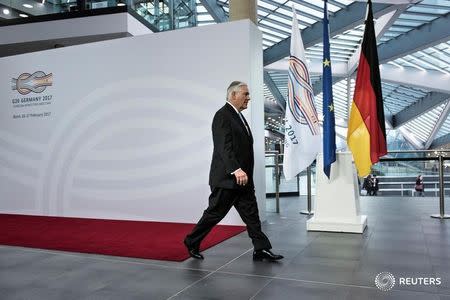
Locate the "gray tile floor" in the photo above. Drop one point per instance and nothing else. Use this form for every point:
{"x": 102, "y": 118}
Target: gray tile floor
{"x": 401, "y": 238}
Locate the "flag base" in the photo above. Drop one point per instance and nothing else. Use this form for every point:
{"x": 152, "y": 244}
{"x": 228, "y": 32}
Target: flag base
{"x": 357, "y": 226}
{"x": 438, "y": 216}
{"x": 306, "y": 212}
{"x": 336, "y": 208}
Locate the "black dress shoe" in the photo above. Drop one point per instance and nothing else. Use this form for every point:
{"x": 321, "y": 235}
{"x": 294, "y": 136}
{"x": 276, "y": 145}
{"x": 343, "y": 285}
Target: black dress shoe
{"x": 193, "y": 252}
{"x": 266, "y": 254}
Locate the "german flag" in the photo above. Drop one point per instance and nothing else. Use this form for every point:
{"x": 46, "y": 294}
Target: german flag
{"x": 366, "y": 136}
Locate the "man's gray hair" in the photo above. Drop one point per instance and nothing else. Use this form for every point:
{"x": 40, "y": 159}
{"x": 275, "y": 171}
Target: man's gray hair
{"x": 235, "y": 86}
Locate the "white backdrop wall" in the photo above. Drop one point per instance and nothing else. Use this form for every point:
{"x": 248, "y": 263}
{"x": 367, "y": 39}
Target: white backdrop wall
{"x": 124, "y": 131}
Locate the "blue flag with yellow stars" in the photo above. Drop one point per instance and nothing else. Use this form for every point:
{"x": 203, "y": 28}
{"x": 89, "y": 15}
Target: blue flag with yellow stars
{"x": 329, "y": 131}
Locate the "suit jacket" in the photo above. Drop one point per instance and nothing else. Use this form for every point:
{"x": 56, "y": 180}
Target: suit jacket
{"x": 233, "y": 149}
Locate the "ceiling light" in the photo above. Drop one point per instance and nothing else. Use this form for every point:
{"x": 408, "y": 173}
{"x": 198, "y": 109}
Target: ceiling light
{"x": 27, "y": 5}
{"x": 6, "y": 11}
{"x": 23, "y": 15}
{"x": 120, "y": 4}
{"x": 43, "y": 1}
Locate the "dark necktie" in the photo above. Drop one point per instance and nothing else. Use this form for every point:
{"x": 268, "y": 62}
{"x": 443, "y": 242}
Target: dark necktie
{"x": 245, "y": 123}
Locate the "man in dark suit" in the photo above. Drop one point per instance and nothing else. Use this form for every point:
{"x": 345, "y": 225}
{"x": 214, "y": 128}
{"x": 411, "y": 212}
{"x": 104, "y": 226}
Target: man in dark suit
{"x": 231, "y": 176}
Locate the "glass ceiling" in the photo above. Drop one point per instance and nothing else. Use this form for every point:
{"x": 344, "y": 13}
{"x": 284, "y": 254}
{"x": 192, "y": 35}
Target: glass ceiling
{"x": 397, "y": 97}
{"x": 424, "y": 124}
{"x": 445, "y": 129}
{"x": 436, "y": 58}
{"x": 275, "y": 16}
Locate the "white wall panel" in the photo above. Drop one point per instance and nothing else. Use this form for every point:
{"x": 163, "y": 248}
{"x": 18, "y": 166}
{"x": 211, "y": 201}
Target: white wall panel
{"x": 124, "y": 131}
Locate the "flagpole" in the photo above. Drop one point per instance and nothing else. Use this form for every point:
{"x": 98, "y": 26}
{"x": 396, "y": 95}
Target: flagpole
{"x": 277, "y": 182}
{"x": 441, "y": 214}
{"x": 308, "y": 212}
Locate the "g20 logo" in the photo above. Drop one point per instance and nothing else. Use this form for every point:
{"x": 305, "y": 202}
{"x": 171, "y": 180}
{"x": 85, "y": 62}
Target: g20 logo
{"x": 36, "y": 82}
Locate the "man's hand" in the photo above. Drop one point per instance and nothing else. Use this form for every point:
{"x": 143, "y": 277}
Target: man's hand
{"x": 241, "y": 177}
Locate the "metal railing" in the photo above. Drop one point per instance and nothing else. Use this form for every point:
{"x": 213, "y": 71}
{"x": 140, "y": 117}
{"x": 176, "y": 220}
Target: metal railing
{"x": 277, "y": 166}
{"x": 406, "y": 163}
{"x": 437, "y": 155}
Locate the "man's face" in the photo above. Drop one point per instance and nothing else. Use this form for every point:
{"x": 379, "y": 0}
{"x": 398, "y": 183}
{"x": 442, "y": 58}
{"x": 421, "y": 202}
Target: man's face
{"x": 241, "y": 98}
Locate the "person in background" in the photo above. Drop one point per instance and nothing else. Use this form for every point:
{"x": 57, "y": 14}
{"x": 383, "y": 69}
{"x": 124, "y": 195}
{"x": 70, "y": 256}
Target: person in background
{"x": 367, "y": 184}
{"x": 419, "y": 187}
{"x": 374, "y": 185}
{"x": 434, "y": 169}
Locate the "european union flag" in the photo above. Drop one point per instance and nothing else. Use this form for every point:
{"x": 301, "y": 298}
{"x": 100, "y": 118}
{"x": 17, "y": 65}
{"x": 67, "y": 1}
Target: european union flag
{"x": 329, "y": 131}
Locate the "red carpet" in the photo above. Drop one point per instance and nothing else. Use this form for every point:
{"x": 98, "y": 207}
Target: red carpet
{"x": 151, "y": 240}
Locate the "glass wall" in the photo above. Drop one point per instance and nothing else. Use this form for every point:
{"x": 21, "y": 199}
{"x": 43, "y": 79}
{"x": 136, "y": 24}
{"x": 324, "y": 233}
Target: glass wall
{"x": 296, "y": 186}
{"x": 168, "y": 14}
{"x": 28, "y": 8}
{"x": 161, "y": 14}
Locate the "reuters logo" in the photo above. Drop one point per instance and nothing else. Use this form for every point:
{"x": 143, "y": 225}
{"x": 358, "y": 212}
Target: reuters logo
{"x": 385, "y": 281}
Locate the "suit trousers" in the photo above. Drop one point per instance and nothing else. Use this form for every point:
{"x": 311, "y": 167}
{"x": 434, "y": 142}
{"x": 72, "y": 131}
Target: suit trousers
{"x": 220, "y": 202}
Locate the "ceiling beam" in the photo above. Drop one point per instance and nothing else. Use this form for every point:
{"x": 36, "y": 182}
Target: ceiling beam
{"x": 317, "y": 86}
{"x": 438, "y": 125}
{"x": 435, "y": 81}
{"x": 408, "y": 136}
{"x": 270, "y": 133}
{"x": 299, "y": 12}
{"x": 344, "y": 19}
{"x": 428, "y": 102}
{"x": 216, "y": 11}
{"x": 275, "y": 91}
{"x": 417, "y": 39}
{"x": 430, "y": 80}
{"x": 270, "y": 111}
{"x": 441, "y": 141}
{"x": 339, "y": 69}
